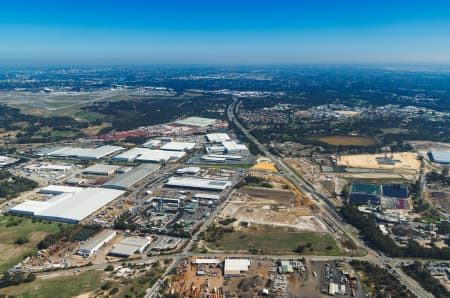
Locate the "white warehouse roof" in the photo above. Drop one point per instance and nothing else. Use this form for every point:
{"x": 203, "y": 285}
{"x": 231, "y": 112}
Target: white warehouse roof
{"x": 178, "y": 146}
{"x": 130, "y": 246}
{"x": 207, "y": 196}
{"x": 70, "y": 207}
{"x": 93, "y": 244}
{"x": 144, "y": 154}
{"x": 30, "y": 208}
{"x": 5, "y": 160}
{"x": 80, "y": 153}
{"x": 198, "y": 183}
{"x": 232, "y": 146}
{"x": 151, "y": 144}
{"x": 188, "y": 170}
{"x": 218, "y": 137}
{"x": 58, "y": 189}
{"x": 236, "y": 266}
{"x": 200, "y": 261}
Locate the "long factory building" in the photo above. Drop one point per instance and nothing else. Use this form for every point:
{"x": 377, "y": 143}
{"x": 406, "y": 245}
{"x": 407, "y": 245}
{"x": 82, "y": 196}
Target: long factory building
{"x": 95, "y": 243}
{"x": 78, "y": 152}
{"x": 67, "y": 204}
{"x": 148, "y": 155}
{"x": 440, "y": 156}
{"x": 198, "y": 183}
{"x": 128, "y": 179}
{"x": 101, "y": 169}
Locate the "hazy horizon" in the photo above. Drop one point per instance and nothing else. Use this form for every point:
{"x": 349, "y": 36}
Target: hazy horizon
{"x": 205, "y": 33}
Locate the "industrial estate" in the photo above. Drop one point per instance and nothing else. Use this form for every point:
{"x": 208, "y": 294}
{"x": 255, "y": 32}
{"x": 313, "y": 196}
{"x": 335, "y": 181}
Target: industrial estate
{"x": 223, "y": 193}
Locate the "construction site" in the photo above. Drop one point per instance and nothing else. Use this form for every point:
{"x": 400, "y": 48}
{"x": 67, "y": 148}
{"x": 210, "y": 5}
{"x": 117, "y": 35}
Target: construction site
{"x": 286, "y": 207}
{"x": 386, "y": 161}
{"x": 253, "y": 205}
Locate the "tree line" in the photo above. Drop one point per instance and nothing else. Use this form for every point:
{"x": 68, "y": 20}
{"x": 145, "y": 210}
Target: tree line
{"x": 368, "y": 227}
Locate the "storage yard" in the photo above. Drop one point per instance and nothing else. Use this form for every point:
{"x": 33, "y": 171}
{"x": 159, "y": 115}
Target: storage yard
{"x": 262, "y": 277}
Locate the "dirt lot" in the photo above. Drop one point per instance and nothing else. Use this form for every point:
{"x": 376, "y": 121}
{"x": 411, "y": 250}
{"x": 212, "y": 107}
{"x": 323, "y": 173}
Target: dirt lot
{"x": 440, "y": 199}
{"x": 271, "y": 207}
{"x": 268, "y": 196}
{"x": 406, "y": 161}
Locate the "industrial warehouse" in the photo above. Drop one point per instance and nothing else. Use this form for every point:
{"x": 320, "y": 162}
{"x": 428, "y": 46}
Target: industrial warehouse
{"x": 440, "y": 156}
{"x": 68, "y": 204}
{"x": 148, "y": 155}
{"x": 218, "y": 137}
{"x": 7, "y": 161}
{"x": 131, "y": 177}
{"x": 232, "y": 147}
{"x": 235, "y": 267}
{"x": 130, "y": 246}
{"x": 95, "y": 243}
{"x": 78, "y": 152}
{"x": 101, "y": 169}
{"x": 178, "y": 146}
{"x": 198, "y": 183}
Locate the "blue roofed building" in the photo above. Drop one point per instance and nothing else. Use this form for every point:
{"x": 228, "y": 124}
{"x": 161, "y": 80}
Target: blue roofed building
{"x": 395, "y": 191}
{"x": 364, "y": 199}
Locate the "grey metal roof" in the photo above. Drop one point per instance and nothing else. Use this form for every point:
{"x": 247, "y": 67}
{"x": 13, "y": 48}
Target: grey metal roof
{"x": 128, "y": 179}
{"x": 98, "y": 239}
{"x": 129, "y": 246}
{"x": 441, "y": 156}
{"x": 100, "y": 169}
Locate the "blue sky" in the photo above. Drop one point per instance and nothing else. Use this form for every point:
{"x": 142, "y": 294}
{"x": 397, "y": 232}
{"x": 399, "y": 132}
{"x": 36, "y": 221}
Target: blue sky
{"x": 224, "y": 32}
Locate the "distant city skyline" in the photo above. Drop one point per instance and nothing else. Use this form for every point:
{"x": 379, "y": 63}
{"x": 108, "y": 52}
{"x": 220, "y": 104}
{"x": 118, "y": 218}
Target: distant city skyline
{"x": 227, "y": 32}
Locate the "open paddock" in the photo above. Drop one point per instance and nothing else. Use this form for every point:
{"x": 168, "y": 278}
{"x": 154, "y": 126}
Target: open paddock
{"x": 13, "y": 228}
{"x": 276, "y": 240}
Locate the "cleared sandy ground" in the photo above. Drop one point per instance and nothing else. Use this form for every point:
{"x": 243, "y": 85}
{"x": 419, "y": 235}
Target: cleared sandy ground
{"x": 406, "y": 161}
{"x": 272, "y": 207}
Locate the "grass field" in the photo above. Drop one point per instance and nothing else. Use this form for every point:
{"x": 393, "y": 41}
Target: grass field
{"x": 13, "y": 227}
{"x": 60, "y": 287}
{"x": 276, "y": 240}
{"x": 346, "y": 141}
